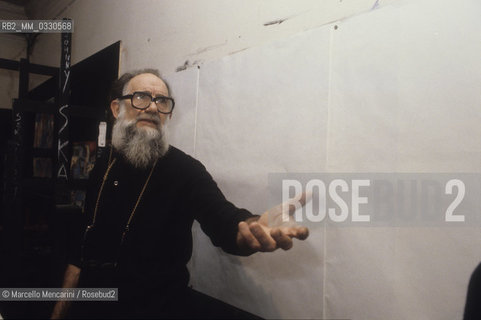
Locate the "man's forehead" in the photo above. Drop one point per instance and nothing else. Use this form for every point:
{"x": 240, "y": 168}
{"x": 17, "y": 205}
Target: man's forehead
{"x": 147, "y": 82}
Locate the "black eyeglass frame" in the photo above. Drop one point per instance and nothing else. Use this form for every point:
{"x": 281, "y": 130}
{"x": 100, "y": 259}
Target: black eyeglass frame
{"x": 131, "y": 97}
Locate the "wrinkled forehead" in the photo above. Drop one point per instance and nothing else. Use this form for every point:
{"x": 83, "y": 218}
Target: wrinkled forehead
{"x": 146, "y": 82}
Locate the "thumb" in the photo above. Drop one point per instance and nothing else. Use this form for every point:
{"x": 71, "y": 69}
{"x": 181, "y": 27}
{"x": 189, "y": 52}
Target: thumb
{"x": 282, "y": 213}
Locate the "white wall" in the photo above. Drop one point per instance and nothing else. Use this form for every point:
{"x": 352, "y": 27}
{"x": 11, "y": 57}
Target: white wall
{"x": 168, "y": 34}
{"x": 379, "y": 90}
{"x": 390, "y": 90}
{"x": 165, "y": 34}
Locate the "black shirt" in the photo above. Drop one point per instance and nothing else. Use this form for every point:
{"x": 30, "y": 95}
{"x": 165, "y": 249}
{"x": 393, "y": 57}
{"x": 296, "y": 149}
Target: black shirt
{"x": 472, "y": 309}
{"x": 158, "y": 245}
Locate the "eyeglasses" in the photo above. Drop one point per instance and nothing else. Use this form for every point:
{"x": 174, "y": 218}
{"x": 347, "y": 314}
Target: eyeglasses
{"x": 142, "y": 100}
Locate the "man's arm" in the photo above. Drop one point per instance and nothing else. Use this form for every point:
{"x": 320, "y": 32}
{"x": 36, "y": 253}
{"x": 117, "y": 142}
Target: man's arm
{"x": 71, "y": 278}
{"x": 236, "y": 230}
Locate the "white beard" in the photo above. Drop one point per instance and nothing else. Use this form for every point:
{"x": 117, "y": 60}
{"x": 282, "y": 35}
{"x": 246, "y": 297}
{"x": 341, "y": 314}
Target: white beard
{"x": 140, "y": 146}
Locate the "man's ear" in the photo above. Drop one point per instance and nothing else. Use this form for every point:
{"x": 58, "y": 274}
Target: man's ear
{"x": 115, "y": 107}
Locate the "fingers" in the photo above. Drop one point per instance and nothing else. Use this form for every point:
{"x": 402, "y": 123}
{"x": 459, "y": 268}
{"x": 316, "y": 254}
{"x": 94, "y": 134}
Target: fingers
{"x": 302, "y": 233}
{"x": 255, "y": 237}
{"x": 282, "y": 240}
{"x": 247, "y": 238}
{"x": 299, "y": 232}
{"x": 265, "y": 240}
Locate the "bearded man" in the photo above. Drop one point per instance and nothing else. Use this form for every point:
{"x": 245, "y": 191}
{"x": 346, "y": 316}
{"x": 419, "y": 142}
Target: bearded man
{"x": 142, "y": 199}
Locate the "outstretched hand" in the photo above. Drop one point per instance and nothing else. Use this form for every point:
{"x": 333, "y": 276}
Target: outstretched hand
{"x": 274, "y": 229}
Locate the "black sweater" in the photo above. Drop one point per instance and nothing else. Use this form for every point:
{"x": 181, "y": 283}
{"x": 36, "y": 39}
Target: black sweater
{"x": 154, "y": 254}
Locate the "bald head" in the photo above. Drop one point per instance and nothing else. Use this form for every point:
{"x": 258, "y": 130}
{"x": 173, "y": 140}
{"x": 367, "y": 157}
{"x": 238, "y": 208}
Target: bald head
{"x": 120, "y": 84}
{"x": 146, "y": 83}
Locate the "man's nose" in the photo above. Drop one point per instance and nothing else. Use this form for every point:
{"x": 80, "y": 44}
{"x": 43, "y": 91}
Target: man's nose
{"x": 152, "y": 107}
